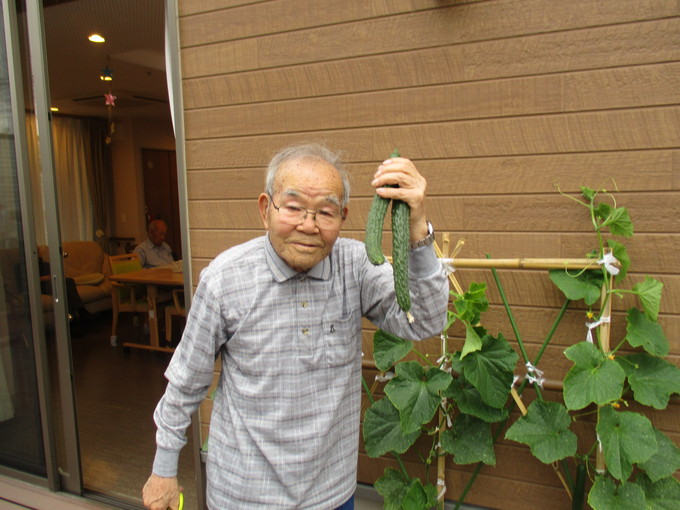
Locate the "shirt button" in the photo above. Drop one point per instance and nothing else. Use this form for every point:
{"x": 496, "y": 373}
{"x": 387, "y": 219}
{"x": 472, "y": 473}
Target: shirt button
{"x": 305, "y": 331}
{"x": 304, "y": 304}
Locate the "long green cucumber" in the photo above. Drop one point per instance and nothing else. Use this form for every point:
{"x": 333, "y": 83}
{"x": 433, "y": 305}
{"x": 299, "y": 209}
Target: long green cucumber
{"x": 400, "y": 242}
{"x": 374, "y": 228}
{"x": 374, "y": 225}
{"x": 579, "y": 486}
{"x": 400, "y": 253}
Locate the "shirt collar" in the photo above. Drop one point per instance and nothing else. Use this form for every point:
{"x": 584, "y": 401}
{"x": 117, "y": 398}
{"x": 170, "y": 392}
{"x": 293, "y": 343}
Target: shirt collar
{"x": 283, "y": 272}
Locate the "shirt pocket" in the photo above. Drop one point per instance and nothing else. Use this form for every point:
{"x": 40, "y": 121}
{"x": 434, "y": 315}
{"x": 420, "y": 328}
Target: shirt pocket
{"x": 342, "y": 340}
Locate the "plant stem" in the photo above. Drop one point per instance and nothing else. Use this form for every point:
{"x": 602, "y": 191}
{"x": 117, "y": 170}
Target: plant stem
{"x": 368, "y": 390}
{"x": 556, "y": 323}
{"x": 515, "y": 329}
{"x": 468, "y": 486}
{"x": 420, "y": 354}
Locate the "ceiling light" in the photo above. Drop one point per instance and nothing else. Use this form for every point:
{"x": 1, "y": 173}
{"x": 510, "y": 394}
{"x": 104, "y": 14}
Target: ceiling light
{"x": 54, "y": 109}
{"x": 106, "y": 74}
{"x": 96, "y": 38}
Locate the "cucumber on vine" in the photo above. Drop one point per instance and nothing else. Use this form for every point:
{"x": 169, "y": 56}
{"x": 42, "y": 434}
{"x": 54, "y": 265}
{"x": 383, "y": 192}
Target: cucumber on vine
{"x": 579, "y": 486}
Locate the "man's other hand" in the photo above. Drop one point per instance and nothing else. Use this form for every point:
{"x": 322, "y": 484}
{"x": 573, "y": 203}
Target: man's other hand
{"x": 161, "y": 493}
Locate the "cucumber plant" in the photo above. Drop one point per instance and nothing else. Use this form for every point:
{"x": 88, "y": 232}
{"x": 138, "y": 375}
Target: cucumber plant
{"x": 636, "y": 463}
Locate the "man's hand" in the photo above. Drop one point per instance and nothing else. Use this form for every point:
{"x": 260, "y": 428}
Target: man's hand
{"x": 160, "y": 493}
{"x": 402, "y": 172}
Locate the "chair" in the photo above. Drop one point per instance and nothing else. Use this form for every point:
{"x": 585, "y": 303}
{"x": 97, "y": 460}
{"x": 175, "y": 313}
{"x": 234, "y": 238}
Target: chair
{"x": 126, "y": 297}
{"x": 176, "y": 309}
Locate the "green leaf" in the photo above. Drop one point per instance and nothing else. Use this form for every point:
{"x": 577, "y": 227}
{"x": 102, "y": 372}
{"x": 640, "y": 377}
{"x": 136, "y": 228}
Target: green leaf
{"x": 621, "y": 254}
{"x": 473, "y": 342}
{"x": 653, "y": 380}
{"x": 382, "y": 430}
{"x": 419, "y": 497}
{"x": 545, "y": 429}
{"x": 585, "y": 285}
{"x": 588, "y": 193}
{"x": 606, "y": 495}
{"x": 451, "y": 317}
{"x": 490, "y": 369}
{"x": 627, "y": 438}
{"x": 665, "y": 462}
{"x": 472, "y": 303}
{"x": 415, "y": 393}
{"x": 470, "y": 402}
{"x": 594, "y": 378}
{"x": 389, "y": 349}
{"x": 645, "y": 333}
{"x": 392, "y": 487}
{"x": 469, "y": 441}
{"x": 663, "y": 494}
{"x": 619, "y": 223}
{"x": 649, "y": 292}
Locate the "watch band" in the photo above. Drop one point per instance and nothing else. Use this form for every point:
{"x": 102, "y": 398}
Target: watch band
{"x": 427, "y": 241}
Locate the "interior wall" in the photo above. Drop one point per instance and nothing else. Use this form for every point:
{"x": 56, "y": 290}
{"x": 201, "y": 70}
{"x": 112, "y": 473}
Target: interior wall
{"x": 496, "y": 101}
{"x": 133, "y": 134}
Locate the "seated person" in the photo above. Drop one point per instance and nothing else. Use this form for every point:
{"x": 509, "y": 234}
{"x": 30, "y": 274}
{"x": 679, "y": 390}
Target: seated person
{"x": 154, "y": 251}
{"x": 75, "y": 306}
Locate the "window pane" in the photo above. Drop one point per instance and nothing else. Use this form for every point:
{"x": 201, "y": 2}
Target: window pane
{"x": 21, "y": 438}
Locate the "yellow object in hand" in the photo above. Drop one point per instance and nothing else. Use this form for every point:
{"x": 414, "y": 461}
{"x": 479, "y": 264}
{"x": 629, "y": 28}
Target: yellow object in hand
{"x": 181, "y": 502}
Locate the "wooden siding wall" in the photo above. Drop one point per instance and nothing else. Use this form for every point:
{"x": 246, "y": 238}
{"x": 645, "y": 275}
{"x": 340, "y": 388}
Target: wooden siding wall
{"x": 495, "y": 101}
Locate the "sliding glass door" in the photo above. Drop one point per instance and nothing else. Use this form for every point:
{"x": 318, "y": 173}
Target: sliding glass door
{"x": 37, "y": 413}
{"x": 21, "y": 432}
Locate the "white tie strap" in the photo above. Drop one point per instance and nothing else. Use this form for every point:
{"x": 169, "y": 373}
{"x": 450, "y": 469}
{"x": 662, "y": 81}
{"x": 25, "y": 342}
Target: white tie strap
{"x": 609, "y": 262}
{"x": 384, "y": 377}
{"x": 534, "y": 374}
{"x": 448, "y": 265}
{"x": 592, "y": 325}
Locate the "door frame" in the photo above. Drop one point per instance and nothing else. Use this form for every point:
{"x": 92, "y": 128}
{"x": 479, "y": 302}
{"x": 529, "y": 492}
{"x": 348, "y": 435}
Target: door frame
{"x": 68, "y": 476}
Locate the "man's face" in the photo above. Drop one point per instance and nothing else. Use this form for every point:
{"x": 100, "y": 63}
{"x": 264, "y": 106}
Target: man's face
{"x": 157, "y": 235}
{"x": 316, "y": 186}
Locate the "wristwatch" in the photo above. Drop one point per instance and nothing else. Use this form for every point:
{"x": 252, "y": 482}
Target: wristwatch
{"x": 424, "y": 242}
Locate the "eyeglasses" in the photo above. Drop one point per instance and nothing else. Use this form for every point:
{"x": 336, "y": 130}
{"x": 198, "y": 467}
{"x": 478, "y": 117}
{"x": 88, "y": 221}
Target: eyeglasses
{"x": 295, "y": 214}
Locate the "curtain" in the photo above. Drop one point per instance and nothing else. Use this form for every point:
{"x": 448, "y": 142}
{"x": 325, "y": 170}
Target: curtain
{"x": 82, "y": 175}
{"x": 99, "y": 171}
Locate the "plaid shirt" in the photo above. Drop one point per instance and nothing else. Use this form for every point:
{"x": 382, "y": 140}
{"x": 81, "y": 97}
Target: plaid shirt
{"x": 284, "y": 430}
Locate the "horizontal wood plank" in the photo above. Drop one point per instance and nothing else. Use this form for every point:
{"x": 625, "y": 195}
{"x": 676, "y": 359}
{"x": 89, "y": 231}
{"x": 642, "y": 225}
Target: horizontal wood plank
{"x": 644, "y": 128}
{"x": 650, "y": 212}
{"x": 255, "y": 20}
{"x": 189, "y": 7}
{"x": 447, "y": 26}
{"x": 608, "y": 89}
{"x": 546, "y": 53}
{"x": 502, "y": 175}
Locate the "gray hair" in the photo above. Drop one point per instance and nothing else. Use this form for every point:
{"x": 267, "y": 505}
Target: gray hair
{"x": 307, "y": 151}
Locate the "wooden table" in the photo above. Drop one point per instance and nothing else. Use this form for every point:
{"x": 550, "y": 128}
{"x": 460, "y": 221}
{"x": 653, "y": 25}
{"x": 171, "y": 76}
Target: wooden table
{"x": 153, "y": 279}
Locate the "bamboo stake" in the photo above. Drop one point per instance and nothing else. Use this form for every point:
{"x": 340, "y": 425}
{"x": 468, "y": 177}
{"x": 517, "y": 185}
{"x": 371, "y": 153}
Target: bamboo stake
{"x": 519, "y": 263}
{"x": 527, "y": 263}
{"x": 441, "y": 459}
{"x": 604, "y": 337}
{"x": 452, "y": 277}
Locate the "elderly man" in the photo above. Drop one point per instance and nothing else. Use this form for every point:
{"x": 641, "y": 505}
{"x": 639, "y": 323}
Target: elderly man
{"x": 154, "y": 251}
{"x": 284, "y": 313}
